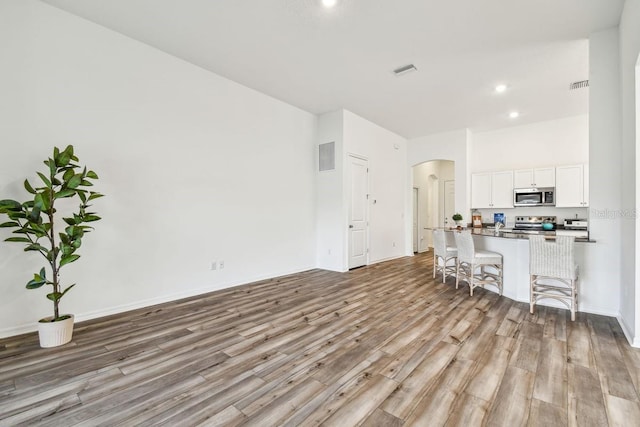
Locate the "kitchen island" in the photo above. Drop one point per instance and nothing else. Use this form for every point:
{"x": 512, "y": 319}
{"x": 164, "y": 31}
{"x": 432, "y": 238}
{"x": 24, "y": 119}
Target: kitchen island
{"x": 514, "y": 248}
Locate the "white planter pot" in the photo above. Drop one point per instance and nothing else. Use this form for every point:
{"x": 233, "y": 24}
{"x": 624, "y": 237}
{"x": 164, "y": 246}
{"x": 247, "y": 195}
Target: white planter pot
{"x": 53, "y": 334}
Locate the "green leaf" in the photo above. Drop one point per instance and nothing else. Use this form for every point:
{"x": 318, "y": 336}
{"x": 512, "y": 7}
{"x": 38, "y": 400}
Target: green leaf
{"x": 28, "y": 187}
{"x": 68, "y": 259}
{"x": 70, "y": 221}
{"x": 67, "y": 155}
{"x": 44, "y": 179}
{"x": 92, "y": 175}
{"x": 35, "y": 247}
{"x": 38, "y": 201}
{"x": 17, "y": 239}
{"x": 94, "y": 195}
{"x": 65, "y": 193}
{"x": 56, "y": 152}
{"x": 52, "y": 167}
{"x": 76, "y": 243}
{"x": 9, "y": 224}
{"x": 34, "y": 215}
{"x": 66, "y": 249}
{"x": 36, "y": 282}
{"x": 86, "y": 183}
{"x": 74, "y": 182}
{"x": 67, "y": 290}
{"x": 43, "y": 273}
{"x": 83, "y": 195}
{"x": 16, "y": 215}
{"x": 7, "y": 206}
{"x": 54, "y": 296}
{"x": 65, "y": 239}
{"x": 90, "y": 218}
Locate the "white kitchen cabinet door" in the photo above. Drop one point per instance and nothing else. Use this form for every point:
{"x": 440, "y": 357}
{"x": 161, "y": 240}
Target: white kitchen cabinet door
{"x": 502, "y": 189}
{"x": 528, "y": 178}
{"x": 481, "y": 190}
{"x": 492, "y": 190}
{"x": 523, "y": 178}
{"x": 570, "y": 186}
{"x": 544, "y": 177}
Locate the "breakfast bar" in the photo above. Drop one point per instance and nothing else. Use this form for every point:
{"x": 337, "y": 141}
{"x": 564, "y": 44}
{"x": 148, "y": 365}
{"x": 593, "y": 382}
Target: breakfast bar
{"x": 514, "y": 247}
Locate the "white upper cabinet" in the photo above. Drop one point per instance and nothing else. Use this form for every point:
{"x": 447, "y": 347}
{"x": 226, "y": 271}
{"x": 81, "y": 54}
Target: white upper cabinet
{"x": 572, "y": 186}
{"x": 527, "y": 178}
{"x": 492, "y": 190}
{"x": 481, "y": 190}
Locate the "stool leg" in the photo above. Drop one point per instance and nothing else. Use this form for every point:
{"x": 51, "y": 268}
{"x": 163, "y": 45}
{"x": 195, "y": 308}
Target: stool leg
{"x": 471, "y": 278}
{"x": 532, "y": 302}
{"x": 444, "y": 268}
{"x": 573, "y": 300}
{"x": 435, "y": 263}
{"x": 457, "y": 273}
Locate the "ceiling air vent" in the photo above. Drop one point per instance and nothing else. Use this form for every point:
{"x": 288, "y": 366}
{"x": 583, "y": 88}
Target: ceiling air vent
{"x": 579, "y": 85}
{"x": 406, "y": 69}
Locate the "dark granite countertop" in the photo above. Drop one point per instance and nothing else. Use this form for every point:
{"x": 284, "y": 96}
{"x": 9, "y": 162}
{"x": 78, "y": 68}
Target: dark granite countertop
{"x": 508, "y": 233}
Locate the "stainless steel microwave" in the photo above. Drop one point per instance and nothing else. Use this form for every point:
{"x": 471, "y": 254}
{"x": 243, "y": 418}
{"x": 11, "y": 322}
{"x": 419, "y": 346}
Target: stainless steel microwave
{"x": 534, "y": 196}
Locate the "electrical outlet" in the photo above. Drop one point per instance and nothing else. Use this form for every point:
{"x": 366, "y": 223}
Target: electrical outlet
{"x": 221, "y": 265}
{"x": 214, "y": 265}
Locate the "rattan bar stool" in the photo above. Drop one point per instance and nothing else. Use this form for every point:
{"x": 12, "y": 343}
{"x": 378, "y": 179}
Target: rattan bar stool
{"x": 443, "y": 255}
{"x": 553, "y": 271}
{"x": 470, "y": 259}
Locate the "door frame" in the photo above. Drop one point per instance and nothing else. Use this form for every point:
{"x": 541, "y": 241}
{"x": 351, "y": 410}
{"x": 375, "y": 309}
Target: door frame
{"x": 416, "y": 220}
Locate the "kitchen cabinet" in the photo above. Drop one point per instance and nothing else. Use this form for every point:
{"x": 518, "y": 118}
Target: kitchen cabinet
{"x": 541, "y": 177}
{"x": 572, "y": 186}
{"x": 492, "y": 190}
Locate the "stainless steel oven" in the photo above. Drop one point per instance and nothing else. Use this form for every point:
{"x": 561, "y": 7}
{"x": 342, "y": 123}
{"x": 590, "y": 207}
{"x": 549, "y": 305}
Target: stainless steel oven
{"x": 543, "y": 196}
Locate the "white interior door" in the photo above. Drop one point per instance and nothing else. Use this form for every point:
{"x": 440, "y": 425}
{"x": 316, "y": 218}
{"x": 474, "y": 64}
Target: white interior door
{"x": 449, "y": 203}
{"x": 416, "y": 235}
{"x": 358, "y": 173}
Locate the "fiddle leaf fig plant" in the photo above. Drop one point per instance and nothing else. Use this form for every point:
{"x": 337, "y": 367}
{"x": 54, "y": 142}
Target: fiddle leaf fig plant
{"x": 35, "y": 222}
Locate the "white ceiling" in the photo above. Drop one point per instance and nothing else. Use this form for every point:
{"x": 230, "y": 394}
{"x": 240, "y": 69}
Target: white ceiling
{"x": 322, "y": 60}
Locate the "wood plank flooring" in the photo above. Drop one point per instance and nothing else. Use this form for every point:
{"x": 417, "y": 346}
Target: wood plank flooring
{"x": 382, "y": 345}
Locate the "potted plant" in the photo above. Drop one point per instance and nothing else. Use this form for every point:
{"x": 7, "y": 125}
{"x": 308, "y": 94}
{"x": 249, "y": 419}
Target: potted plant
{"x": 457, "y": 218}
{"x": 35, "y": 224}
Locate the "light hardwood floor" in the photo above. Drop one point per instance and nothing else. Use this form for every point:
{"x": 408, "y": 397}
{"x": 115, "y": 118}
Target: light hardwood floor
{"x": 382, "y": 345}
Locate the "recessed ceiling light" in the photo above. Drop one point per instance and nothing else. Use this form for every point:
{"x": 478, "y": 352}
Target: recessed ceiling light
{"x": 329, "y": 3}
{"x": 501, "y": 88}
{"x": 514, "y": 114}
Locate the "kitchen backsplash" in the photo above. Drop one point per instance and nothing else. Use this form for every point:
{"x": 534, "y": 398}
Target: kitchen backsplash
{"x": 510, "y": 214}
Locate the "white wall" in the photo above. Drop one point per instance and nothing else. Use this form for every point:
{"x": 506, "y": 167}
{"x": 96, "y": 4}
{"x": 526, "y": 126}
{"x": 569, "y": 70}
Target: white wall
{"x": 629, "y": 51}
{"x": 386, "y": 153}
{"x": 331, "y": 243}
{"x": 605, "y": 172}
{"x": 451, "y": 146}
{"x": 549, "y": 143}
{"x": 195, "y": 168}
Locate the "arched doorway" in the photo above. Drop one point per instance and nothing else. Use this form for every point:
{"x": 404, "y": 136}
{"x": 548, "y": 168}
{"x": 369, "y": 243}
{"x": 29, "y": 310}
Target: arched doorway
{"x": 432, "y": 181}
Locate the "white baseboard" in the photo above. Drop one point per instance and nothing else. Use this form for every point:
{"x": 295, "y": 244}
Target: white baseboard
{"x": 633, "y": 341}
{"x": 378, "y": 261}
{"x": 33, "y": 327}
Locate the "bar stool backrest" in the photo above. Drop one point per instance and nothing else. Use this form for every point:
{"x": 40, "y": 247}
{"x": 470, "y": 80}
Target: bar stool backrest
{"x": 439, "y": 242}
{"x": 466, "y": 249}
{"x": 552, "y": 259}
